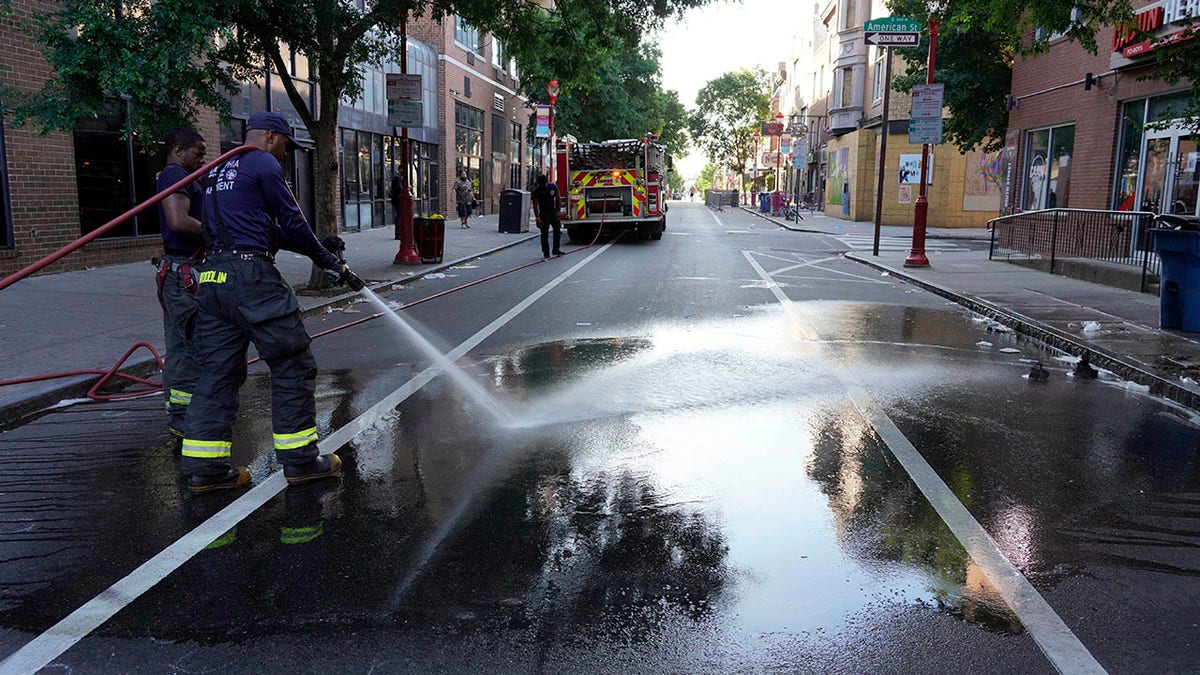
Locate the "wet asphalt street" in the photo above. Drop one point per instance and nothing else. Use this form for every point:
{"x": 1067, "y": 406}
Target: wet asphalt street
{"x": 730, "y": 450}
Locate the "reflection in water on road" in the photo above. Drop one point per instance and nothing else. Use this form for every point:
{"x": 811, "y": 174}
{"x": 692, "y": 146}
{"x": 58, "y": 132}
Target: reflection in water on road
{"x": 696, "y": 481}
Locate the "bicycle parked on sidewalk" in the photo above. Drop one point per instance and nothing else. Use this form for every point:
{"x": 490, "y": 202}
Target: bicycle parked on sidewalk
{"x": 791, "y": 210}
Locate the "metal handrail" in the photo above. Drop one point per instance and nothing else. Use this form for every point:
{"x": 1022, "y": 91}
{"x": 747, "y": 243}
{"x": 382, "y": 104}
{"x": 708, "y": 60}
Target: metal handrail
{"x": 1120, "y": 237}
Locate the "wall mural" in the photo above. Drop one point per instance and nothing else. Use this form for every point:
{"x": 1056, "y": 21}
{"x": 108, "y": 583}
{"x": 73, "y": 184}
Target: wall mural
{"x": 983, "y": 181}
{"x": 838, "y": 161}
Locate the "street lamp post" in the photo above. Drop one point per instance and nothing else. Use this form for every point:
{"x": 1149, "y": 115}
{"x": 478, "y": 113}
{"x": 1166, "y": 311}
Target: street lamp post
{"x": 754, "y": 170}
{"x": 552, "y": 89}
{"x": 407, "y": 254}
{"x": 916, "y": 257}
{"x": 778, "y": 152}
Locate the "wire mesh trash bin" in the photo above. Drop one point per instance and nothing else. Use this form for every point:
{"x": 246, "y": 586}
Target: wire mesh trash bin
{"x": 429, "y": 234}
{"x": 1179, "y": 281}
{"x": 514, "y": 211}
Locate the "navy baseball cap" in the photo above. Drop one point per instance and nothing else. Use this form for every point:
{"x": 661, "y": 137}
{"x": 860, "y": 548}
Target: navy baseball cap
{"x": 273, "y": 121}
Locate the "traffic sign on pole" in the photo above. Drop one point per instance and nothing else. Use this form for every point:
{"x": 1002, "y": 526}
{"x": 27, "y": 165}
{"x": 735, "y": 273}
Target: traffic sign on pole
{"x": 405, "y": 114}
{"x": 922, "y": 130}
{"x": 892, "y": 31}
{"x": 402, "y": 87}
{"x": 927, "y": 100}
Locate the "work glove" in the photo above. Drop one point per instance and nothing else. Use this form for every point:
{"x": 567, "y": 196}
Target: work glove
{"x": 343, "y": 275}
{"x": 335, "y": 245}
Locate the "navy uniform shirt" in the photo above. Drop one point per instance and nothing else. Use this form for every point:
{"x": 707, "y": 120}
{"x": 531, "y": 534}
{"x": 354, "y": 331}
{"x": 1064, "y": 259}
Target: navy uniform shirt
{"x": 180, "y": 243}
{"x": 258, "y": 210}
{"x": 546, "y": 198}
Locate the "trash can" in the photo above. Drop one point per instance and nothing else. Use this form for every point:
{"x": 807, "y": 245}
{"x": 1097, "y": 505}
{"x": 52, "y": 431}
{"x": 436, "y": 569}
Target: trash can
{"x": 776, "y": 201}
{"x": 1179, "y": 277}
{"x": 429, "y": 234}
{"x": 514, "y": 211}
{"x": 764, "y": 202}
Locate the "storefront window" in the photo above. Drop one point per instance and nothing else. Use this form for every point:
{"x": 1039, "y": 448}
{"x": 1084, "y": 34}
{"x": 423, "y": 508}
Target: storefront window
{"x": 1133, "y": 118}
{"x": 113, "y": 173}
{"x": 6, "y": 233}
{"x": 514, "y": 157}
{"x": 1048, "y": 168}
{"x": 468, "y": 144}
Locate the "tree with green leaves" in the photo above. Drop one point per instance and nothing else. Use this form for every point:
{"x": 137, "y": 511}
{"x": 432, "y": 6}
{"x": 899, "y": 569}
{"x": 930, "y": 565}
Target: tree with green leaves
{"x": 609, "y": 76}
{"x": 728, "y": 112}
{"x": 169, "y": 58}
{"x": 980, "y": 40}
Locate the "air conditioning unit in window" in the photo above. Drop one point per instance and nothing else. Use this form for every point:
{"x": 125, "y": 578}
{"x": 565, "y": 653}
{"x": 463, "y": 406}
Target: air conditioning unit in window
{"x": 470, "y": 58}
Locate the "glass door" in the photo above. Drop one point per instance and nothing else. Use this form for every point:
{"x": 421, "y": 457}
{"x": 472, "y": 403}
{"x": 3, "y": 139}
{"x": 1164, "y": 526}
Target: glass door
{"x": 1183, "y": 196}
{"x": 1170, "y": 179}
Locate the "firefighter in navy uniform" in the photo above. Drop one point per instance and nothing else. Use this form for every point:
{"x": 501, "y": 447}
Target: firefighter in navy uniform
{"x": 249, "y": 214}
{"x": 183, "y": 248}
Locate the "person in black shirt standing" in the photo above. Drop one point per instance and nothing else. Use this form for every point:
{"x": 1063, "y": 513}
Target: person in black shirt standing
{"x": 183, "y": 248}
{"x": 249, "y": 214}
{"x": 545, "y": 207}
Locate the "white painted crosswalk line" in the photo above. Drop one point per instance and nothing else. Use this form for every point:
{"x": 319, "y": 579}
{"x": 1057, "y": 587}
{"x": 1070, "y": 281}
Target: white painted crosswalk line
{"x": 865, "y": 242}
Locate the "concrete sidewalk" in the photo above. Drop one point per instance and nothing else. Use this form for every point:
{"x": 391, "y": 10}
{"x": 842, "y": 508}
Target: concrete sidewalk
{"x": 1116, "y": 328}
{"x": 86, "y": 320}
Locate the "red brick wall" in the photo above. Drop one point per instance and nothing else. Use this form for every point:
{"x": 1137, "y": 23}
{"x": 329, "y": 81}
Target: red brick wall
{"x": 42, "y": 187}
{"x": 1095, "y": 113}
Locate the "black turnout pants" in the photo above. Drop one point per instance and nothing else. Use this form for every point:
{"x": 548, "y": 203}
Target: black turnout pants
{"x": 242, "y": 299}
{"x": 544, "y": 225}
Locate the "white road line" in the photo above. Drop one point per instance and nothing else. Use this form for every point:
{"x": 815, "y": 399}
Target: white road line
{"x": 1064, "y": 650}
{"x": 38, "y": 653}
{"x": 866, "y": 242}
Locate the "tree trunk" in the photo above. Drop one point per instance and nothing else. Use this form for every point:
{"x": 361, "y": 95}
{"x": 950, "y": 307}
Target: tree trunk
{"x": 325, "y": 178}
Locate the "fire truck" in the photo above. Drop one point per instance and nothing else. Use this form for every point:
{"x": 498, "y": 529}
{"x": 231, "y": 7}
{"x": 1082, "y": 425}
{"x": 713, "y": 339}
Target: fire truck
{"x": 613, "y": 186}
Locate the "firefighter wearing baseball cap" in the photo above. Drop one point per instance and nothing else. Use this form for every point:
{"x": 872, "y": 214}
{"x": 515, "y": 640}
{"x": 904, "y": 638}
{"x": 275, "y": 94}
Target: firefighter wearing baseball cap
{"x": 249, "y": 214}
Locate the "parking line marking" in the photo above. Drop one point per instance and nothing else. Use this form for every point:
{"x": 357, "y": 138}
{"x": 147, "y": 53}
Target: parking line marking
{"x": 39, "y": 652}
{"x": 1061, "y": 646}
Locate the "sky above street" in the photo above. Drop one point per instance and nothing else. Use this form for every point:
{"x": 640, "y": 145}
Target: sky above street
{"x": 722, "y": 37}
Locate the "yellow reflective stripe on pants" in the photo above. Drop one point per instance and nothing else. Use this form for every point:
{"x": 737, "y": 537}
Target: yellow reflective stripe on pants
{"x": 205, "y": 449}
{"x": 300, "y": 535}
{"x": 296, "y": 440}
{"x": 180, "y": 397}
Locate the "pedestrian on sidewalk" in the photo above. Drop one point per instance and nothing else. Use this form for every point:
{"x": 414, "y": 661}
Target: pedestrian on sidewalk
{"x": 545, "y": 209}
{"x": 464, "y": 198}
{"x": 395, "y": 195}
{"x": 183, "y": 248}
{"x": 249, "y": 215}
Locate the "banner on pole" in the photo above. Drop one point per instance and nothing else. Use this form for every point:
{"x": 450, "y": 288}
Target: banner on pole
{"x": 543, "y": 121}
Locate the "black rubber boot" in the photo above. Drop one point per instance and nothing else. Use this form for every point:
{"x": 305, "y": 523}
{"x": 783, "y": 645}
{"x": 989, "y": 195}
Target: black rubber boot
{"x": 320, "y": 467}
{"x": 234, "y": 478}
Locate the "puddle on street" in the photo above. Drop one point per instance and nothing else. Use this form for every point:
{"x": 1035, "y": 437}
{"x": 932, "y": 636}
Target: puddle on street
{"x": 703, "y": 479}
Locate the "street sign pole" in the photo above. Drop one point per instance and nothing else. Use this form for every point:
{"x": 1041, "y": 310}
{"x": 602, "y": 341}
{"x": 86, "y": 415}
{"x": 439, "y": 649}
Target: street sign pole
{"x": 883, "y": 139}
{"x": 917, "y": 257}
{"x": 407, "y": 254}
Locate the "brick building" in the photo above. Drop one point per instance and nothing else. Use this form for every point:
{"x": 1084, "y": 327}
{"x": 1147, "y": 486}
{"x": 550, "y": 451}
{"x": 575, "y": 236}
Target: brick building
{"x": 832, "y": 91}
{"x": 60, "y": 186}
{"x": 481, "y": 112}
{"x": 1076, "y": 134}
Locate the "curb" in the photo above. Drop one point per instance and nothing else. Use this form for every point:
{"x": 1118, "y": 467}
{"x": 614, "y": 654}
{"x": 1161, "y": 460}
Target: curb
{"x": 1055, "y": 338}
{"x": 784, "y": 225}
{"x": 20, "y": 406}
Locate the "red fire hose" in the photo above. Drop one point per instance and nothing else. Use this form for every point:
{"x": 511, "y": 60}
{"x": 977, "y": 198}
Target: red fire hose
{"x": 106, "y": 375}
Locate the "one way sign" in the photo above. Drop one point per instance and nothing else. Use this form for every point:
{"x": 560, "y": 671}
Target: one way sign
{"x": 892, "y": 31}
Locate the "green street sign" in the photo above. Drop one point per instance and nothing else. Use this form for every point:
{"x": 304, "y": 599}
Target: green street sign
{"x": 892, "y": 24}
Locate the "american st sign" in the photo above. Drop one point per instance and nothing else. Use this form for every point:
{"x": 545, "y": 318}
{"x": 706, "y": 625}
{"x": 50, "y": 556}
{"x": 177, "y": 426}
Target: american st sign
{"x": 892, "y": 31}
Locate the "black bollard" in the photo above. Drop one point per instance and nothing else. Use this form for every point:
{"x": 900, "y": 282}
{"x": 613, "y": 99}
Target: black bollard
{"x": 1084, "y": 370}
{"x": 1038, "y": 374}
